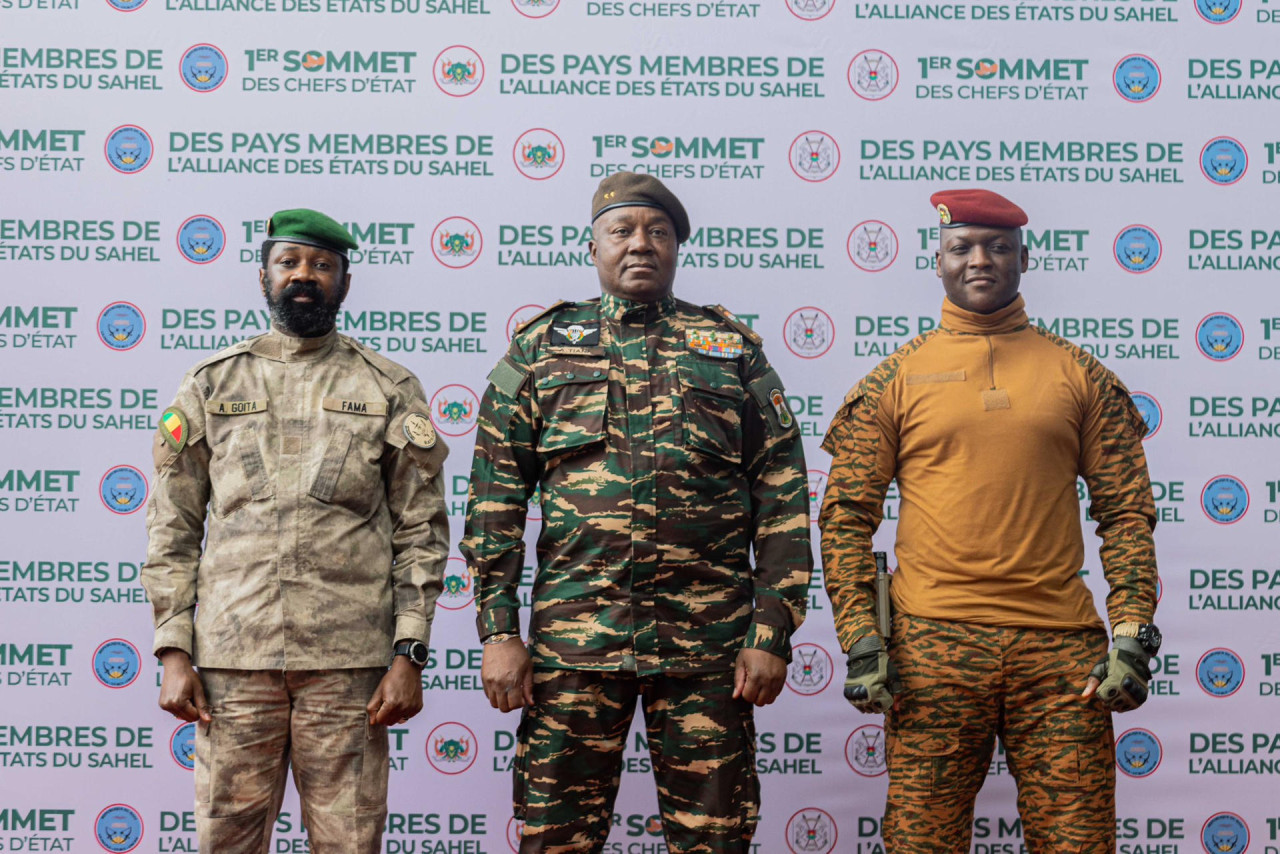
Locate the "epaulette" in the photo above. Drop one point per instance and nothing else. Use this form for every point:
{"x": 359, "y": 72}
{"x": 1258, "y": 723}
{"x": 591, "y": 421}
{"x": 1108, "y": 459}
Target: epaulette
{"x": 234, "y": 350}
{"x": 732, "y": 319}
{"x": 555, "y": 306}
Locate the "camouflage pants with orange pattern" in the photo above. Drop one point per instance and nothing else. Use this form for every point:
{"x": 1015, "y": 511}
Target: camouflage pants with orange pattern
{"x": 569, "y": 756}
{"x": 964, "y": 685}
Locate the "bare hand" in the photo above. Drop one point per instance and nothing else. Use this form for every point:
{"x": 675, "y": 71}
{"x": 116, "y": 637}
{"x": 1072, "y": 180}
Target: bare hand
{"x": 181, "y": 691}
{"x": 758, "y": 676}
{"x": 398, "y": 696}
{"x": 507, "y": 674}
{"x": 1091, "y": 687}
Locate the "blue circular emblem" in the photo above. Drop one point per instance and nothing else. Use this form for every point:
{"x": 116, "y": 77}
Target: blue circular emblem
{"x": 1224, "y": 499}
{"x": 1137, "y": 248}
{"x": 203, "y": 68}
{"x": 123, "y": 490}
{"x": 1218, "y": 11}
{"x": 1219, "y": 336}
{"x": 201, "y": 239}
{"x": 116, "y": 663}
{"x": 128, "y": 149}
{"x": 1138, "y": 753}
{"x": 1224, "y": 833}
{"x": 118, "y": 828}
{"x": 1136, "y": 78}
{"x": 1152, "y": 414}
{"x": 126, "y": 5}
{"x": 1220, "y": 672}
{"x": 121, "y": 326}
{"x": 1223, "y": 160}
{"x": 182, "y": 745}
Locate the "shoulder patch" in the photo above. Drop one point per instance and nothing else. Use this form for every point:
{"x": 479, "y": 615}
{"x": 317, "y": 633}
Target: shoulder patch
{"x": 507, "y": 378}
{"x": 771, "y": 399}
{"x": 393, "y": 371}
{"x": 732, "y": 319}
{"x": 555, "y": 306}
{"x": 419, "y": 430}
{"x": 175, "y": 428}
{"x": 234, "y": 350}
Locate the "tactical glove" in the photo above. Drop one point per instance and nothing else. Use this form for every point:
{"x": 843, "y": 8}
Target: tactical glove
{"x": 1124, "y": 675}
{"x": 872, "y": 679}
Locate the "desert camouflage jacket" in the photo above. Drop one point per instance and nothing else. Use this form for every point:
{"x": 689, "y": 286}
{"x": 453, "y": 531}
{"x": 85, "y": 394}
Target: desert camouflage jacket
{"x": 316, "y": 470}
{"x": 661, "y": 444}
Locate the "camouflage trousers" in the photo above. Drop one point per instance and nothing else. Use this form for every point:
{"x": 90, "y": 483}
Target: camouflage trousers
{"x": 966, "y": 684}
{"x": 266, "y": 720}
{"x": 569, "y": 760}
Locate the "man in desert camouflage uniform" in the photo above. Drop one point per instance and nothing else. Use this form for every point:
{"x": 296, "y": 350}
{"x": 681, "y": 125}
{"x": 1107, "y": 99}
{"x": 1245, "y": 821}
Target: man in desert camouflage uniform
{"x": 319, "y": 470}
{"x": 665, "y": 453}
{"x": 986, "y": 422}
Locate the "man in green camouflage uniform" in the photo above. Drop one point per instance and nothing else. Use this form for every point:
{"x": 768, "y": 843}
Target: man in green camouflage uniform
{"x": 986, "y": 422}
{"x": 665, "y": 453}
{"x": 319, "y": 470}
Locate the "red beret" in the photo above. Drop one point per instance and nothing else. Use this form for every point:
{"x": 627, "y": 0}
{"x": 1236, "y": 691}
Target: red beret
{"x": 977, "y": 207}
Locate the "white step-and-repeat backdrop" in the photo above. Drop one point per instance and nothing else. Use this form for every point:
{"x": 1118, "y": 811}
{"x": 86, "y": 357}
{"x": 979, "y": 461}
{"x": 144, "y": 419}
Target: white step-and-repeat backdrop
{"x": 143, "y": 144}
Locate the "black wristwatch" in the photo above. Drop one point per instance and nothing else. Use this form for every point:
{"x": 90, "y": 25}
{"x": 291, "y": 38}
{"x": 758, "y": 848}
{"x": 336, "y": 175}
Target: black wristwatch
{"x": 1149, "y": 638}
{"x": 414, "y": 649}
{"x": 1146, "y": 634}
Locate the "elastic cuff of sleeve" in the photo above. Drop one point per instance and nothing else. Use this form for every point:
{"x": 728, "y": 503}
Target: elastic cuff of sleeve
{"x": 498, "y": 620}
{"x": 768, "y": 638}
{"x": 412, "y": 628}
{"x": 867, "y": 644}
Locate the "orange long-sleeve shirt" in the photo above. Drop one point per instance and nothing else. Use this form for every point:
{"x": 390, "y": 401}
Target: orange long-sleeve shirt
{"x": 986, "y": 422}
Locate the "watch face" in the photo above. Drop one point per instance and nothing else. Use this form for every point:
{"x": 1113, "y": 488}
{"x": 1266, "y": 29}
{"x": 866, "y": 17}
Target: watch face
{"x": 1150, "y": 638}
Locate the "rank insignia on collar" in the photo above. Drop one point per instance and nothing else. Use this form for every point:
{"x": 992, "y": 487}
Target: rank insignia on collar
{"x": 173, "y": 427}
{"x": 575, "y": 334}
{"x": 779, "y": 402}
{"x": 714, "y": 343}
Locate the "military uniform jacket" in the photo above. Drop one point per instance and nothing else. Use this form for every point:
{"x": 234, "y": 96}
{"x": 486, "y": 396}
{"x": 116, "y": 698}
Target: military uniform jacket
{"x": 661, "y": 443}
{"x": 986, "y": 422}
{"x": 315, "y": 469}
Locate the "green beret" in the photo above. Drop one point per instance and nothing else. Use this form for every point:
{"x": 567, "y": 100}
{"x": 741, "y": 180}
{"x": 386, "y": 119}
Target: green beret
{"x": 313, "y": 228}
{"x": 636, "y": 189}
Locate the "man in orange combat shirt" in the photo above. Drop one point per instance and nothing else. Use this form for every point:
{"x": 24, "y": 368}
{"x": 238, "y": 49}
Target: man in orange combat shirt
{"x": 986, "y": 422}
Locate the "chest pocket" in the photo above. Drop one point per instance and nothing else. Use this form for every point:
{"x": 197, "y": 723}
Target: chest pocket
{"x": 350, "y": 471}
{"x": 237, "y": 471}
{"x": 713, "y": 396}
{"x": 573, "y": 398}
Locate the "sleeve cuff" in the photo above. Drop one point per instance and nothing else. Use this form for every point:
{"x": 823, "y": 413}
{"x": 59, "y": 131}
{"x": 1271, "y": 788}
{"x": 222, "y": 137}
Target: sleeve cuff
{"x": 774, "y": 639}
{"x": 500, "y": 619}
{"x": 410, "y": 627}
{"x": 175, "y": 634}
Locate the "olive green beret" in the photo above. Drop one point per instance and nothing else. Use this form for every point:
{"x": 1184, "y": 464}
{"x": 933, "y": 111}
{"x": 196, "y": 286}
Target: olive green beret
{"x": 636, "y": 189}
{"x": 313, "y": 228}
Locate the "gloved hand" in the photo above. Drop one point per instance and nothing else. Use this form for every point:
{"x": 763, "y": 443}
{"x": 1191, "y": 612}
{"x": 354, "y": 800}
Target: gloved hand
{"x": 873, "y": 678}
{"x": 1122, "y": 676}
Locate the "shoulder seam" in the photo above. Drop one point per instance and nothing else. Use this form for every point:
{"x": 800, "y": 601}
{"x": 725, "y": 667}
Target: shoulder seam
{"x": 389, "y": 368}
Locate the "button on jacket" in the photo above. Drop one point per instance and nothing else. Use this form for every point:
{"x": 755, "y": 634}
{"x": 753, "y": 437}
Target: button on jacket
{"x": 659, "y": 437}
{"x": 327, "y": 532}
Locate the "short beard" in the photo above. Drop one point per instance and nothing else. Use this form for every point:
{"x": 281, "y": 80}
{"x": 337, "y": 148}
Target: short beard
{"x": 304, "y": 320}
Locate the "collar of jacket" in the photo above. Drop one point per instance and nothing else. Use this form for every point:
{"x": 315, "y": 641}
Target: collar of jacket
{"x": 619, "y": 309}
{"x": 286, "y": 348}
{"x": 1011, "y": 318}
